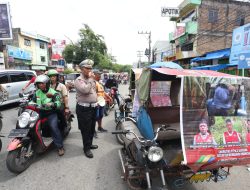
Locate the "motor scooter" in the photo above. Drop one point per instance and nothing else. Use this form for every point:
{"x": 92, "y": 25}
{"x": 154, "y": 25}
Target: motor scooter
{"x": 26, "y": 98}
{"x": 31, "y": 137}
{"x": 123, "y": 117}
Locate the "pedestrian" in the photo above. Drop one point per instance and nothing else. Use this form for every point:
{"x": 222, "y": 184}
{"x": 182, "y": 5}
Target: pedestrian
{"x": 86, "y": 106}
{"x": 32, "y": 80}
{"x": 231, "y": 136}
{"x": 101, "y": 96}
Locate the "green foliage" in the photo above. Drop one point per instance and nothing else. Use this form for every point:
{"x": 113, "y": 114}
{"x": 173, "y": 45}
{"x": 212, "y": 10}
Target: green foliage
{"x": 92, "y": 46}
{"x": 68, "y": 71}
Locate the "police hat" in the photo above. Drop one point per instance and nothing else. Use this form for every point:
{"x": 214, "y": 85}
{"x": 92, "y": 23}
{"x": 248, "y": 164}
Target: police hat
{"x": 87, "y": 63}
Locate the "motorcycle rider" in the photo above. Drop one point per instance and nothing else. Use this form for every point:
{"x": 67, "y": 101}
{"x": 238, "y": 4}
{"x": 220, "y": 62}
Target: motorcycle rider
{"x": 49, "y": 99}
{"x": 111, "y": 82}
{"x": 63, "y": 92}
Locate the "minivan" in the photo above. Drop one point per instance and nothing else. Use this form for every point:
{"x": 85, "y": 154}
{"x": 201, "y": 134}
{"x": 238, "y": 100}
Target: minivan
{"x": 13, "y": 81}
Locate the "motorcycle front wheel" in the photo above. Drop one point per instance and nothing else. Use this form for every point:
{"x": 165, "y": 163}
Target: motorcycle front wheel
{"x": 18, "y": 160}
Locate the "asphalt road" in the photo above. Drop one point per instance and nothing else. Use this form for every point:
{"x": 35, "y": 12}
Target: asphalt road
{"x": 75, "y": 171}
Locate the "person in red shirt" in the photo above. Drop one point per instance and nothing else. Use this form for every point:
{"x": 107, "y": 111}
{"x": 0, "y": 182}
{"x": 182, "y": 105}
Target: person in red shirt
{"x": 248, "y": 131}
{"x": 32, "y": 80}
{"x": 204, "y": 137}
{"x": 231, "y": 136}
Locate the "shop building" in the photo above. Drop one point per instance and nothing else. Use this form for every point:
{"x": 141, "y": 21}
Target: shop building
{"x": 205, "y": 26}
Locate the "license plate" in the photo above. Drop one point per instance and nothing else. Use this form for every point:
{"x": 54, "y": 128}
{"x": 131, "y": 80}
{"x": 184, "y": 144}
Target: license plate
{"x": 18, "y": 133}
{"x": 200, "y": 176}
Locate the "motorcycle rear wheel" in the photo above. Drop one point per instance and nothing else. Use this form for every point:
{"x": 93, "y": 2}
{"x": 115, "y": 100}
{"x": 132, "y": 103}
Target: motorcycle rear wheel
{"x": 17, "y": 161}
{"x": 119, "y": 136}
{"x": 0, "y": 145}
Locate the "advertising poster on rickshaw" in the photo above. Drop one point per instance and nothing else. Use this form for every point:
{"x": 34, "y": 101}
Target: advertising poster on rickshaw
{"x": 216, "y": 122}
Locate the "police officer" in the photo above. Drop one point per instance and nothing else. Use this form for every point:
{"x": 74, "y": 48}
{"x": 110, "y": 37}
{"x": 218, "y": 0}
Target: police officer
{"x": 86, "y": 105}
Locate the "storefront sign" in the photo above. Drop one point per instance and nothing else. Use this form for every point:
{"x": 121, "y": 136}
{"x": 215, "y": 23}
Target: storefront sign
{"x": 240, "y": 47}
{"x": 170, "y": 12}
{"x": 19, "y": 53}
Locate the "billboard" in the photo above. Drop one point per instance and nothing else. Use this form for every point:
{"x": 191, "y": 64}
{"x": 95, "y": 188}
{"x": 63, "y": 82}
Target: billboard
{"x": 216, "y": 123}
{"x": 57, "y": 48}
{"x": 240, "y": 47}
{"x": 5, "y": 23}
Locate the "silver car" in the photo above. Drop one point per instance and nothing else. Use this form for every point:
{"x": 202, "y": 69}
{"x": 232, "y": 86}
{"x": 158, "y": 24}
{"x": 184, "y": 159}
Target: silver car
{"x": 13, "y": 81}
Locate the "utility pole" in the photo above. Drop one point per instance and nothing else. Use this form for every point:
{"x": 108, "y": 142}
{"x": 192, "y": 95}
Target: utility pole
{"x": 139, "y": 54}
{"x": 149, "y": 44}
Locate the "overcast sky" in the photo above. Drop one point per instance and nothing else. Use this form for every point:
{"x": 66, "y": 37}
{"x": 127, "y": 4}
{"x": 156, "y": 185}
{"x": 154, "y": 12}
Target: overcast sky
{"x": 117, "y": 20}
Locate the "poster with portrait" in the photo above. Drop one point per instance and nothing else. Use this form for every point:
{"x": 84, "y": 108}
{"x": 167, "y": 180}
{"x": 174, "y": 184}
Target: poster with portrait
{"x": 160, "y": 93}
{"x": 215, "y": 121}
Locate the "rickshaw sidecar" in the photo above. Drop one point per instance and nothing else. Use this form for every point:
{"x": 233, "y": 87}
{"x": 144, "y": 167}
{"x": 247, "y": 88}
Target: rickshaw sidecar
{"x": 199, "y": 142}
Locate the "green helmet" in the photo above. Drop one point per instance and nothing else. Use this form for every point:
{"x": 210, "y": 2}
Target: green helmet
{"x": 52, "y": 72}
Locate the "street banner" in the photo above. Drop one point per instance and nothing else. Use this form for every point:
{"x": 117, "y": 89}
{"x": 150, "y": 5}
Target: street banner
{"x": 5, "y": 22}
{"x": 216, "y": 123}
{"x": 240, "y": 47}
{"x": 57, "y": 48}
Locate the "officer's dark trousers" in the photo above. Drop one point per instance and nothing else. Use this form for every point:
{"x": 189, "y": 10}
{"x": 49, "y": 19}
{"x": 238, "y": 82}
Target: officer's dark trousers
{"x": 86, "y": 123}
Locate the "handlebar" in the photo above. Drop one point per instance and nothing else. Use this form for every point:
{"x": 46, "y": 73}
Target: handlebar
{"x": 162, "y": 128}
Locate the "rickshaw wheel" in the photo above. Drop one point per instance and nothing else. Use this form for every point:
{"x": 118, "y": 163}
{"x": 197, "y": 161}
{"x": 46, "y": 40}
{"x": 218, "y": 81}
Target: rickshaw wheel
{"x": 137, "y": 184}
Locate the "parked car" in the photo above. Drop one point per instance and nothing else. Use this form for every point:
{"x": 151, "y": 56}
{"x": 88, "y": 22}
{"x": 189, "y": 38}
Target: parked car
{"x": 13, "y": 81}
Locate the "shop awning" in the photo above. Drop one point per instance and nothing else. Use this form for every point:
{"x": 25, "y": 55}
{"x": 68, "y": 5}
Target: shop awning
{"x": 225, "y": 53}
{"x": 214, "y": 67}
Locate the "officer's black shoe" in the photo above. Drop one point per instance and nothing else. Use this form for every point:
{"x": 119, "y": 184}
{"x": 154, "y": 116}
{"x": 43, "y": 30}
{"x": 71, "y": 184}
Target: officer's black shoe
{"x": 94, "y": 146}
{"x": 89, "y": 154}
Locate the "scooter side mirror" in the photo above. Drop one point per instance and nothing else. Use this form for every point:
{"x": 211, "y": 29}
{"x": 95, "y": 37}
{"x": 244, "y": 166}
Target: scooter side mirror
{"x": 21, "y": 95}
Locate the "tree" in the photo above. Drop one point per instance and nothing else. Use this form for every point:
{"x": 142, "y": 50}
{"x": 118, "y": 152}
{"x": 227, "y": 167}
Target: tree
{"x": 91, "y": 46}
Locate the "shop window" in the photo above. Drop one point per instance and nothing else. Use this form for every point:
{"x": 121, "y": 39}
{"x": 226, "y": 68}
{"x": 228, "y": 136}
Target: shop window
{"x": 212, "y": 15}
{"x": 240, "y": 20}
{"x": 29, "y": 76}
{"x": 42, "y": 45}
{"x": 27, "y": 42}
{"x": 3, "y": 78}
{"x": 43, "y": 59}
{"x": 17, "y": 77}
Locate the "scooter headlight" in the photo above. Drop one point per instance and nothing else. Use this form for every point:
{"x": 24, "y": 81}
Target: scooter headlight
{"x": 23, "y": 119}
{"x": 155, "y": 154}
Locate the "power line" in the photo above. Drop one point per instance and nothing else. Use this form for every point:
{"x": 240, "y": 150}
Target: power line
{"x": 149, "y": 43}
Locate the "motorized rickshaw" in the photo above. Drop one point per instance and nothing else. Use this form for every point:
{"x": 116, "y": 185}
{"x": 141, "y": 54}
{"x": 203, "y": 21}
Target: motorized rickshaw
{"x": 196, "y": 127}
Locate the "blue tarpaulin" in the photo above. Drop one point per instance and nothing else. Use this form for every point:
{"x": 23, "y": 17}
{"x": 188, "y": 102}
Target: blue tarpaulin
{"x": 171, "y": 65}
{"x": 214, "y": 67}
{"x": 225, "y": 53}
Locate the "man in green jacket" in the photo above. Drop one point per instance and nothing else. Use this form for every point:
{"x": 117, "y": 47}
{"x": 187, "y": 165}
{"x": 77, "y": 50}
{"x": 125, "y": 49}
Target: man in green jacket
{"x": 49, "y": 100}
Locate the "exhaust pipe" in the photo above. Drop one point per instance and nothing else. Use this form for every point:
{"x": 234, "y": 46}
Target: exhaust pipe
{"x": 122, "y": 162}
